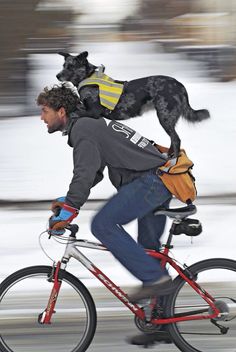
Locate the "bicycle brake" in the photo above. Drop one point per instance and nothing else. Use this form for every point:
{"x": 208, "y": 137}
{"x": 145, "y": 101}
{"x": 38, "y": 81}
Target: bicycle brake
{"x": 189, "y": 274}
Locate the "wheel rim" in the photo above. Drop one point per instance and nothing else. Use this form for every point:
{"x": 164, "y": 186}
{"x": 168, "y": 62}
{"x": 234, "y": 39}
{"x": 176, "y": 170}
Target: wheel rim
{"x": 203, "y": 335}
{"x": 24, "y": 300}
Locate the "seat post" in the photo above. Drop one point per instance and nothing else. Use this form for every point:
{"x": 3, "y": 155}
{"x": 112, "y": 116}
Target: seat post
{"x": 168, "y": 244}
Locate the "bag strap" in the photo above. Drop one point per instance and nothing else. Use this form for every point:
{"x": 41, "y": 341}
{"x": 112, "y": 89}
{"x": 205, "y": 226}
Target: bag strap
{"x": 169, "y": 164}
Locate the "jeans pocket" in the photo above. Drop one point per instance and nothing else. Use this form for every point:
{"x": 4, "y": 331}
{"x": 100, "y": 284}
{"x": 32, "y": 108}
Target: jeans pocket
{"x": 156, "y": 193}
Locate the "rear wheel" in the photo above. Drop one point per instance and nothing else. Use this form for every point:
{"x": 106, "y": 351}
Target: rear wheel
{"x": 24, "y": 296}
{"x": 218, "y": 278}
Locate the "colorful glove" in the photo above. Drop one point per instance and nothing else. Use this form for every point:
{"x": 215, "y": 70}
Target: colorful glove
{"x": 63, "y": 215}
{"x": 57, "y": 205}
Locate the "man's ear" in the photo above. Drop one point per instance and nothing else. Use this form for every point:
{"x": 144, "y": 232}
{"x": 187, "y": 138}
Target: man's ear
{"x": 62, "y": 112}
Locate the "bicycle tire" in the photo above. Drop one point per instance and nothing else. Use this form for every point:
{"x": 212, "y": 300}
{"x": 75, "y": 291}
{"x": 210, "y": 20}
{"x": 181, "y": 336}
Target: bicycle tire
{"x": 184, "y": 334}
{"x": 66, "y": 321}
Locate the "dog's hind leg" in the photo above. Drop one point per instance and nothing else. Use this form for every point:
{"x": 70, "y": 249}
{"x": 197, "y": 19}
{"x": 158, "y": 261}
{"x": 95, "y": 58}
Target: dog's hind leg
{"x": 168, "y": 122}
{"x": 175, "y": 140}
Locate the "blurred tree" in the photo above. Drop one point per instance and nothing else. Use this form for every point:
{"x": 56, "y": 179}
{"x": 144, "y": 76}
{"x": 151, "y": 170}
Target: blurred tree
{"x": 151, "y": 16}
{"x": 25, "y": 29}
{"x": 164, "y": 9}
{"x": 17, "y": 20}
{"x": 202, "y": 30}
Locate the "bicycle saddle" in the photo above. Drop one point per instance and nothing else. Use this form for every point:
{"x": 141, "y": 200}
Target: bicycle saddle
{"x": 177, "y": 213}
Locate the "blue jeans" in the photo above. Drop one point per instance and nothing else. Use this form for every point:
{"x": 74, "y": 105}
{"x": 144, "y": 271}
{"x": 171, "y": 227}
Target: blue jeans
{"x": 135, "y": 200}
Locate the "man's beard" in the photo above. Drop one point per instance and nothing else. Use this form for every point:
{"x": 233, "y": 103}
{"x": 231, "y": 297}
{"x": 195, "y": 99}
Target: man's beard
{"x": 59, "y": 126}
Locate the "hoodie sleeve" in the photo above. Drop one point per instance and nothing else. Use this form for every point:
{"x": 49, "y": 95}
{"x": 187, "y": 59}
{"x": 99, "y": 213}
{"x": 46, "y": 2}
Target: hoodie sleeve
{"x": 87, "y": 172}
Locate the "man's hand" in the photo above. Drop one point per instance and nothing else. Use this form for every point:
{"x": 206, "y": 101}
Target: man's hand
{"x": 57, "y": 205}
{"x": 63, "y": 215}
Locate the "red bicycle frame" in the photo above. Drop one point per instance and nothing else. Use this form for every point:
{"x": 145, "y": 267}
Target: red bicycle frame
{"x": 45, "y": 317}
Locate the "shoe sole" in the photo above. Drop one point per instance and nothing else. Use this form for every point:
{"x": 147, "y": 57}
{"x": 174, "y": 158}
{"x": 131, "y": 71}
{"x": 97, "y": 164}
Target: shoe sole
{"x": 161, "y": 292}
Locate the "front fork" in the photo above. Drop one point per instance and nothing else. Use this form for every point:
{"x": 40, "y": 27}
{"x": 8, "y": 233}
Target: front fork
{"x": 46, "y": 315}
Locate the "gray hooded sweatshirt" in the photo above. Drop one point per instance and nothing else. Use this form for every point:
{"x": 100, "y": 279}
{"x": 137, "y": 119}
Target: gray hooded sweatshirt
{"x": 96, "y": 144}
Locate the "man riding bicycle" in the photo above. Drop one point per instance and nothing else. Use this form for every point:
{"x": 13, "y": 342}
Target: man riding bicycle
{"x": 132, "y": 162}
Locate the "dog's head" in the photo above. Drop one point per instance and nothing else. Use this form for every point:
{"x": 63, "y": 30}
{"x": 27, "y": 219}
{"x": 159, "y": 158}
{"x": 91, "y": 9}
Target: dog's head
{"x": 75, "y": 68}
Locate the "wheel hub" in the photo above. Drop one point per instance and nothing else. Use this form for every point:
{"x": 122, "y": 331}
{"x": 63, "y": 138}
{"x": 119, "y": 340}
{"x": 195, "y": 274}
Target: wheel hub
{"x": 223, "y": 308}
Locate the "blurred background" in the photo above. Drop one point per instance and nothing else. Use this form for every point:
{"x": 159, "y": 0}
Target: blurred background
{"x": 204, "y": 31}
{"x": 193, "y": 41}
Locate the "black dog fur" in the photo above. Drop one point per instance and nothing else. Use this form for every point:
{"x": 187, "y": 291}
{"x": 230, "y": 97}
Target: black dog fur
{"x": 164, "y": 94}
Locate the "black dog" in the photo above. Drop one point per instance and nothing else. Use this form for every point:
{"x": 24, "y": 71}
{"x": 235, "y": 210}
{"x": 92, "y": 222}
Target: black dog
{"x": 168, "y": 96}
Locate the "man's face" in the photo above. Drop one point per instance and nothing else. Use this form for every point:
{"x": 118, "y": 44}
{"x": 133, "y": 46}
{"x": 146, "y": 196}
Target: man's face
{"x": 55, "y": 119}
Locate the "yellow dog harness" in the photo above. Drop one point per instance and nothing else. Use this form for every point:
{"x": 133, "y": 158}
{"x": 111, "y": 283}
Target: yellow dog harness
{"x": 109, "y": 90}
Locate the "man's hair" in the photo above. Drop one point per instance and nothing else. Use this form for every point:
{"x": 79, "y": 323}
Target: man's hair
{"x": 59, "y": 96}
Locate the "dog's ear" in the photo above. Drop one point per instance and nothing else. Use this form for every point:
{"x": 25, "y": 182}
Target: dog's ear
{"x": 83, "y": 55}
{"x": 64, "y": 54}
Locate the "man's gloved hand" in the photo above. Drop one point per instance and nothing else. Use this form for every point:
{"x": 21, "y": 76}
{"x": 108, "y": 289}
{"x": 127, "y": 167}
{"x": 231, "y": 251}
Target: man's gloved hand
{"x": 63, "y": 215}
{"x": 57, "y": 205}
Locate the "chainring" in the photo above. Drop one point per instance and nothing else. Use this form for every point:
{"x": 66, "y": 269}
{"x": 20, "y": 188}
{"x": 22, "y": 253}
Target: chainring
{"x": 146, "y": 326}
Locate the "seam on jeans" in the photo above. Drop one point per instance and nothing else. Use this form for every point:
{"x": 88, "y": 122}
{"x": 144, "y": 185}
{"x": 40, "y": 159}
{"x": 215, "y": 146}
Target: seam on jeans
{"x": 152, "y": 191}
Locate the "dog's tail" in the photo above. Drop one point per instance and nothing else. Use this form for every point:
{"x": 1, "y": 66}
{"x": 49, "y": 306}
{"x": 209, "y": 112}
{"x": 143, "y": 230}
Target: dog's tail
{"x": 192, "y": 115}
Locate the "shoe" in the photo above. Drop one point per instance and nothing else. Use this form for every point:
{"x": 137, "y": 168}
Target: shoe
{"x": 162, "y": 287}
{"x": 150, "y": 339}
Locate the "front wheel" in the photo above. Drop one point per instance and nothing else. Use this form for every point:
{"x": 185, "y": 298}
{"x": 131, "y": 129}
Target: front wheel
{"x": 23, "y": 297}
{"x": 218, "y": 278}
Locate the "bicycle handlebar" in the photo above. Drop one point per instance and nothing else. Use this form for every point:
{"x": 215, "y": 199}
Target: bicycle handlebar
{"x": 73, "y": 228}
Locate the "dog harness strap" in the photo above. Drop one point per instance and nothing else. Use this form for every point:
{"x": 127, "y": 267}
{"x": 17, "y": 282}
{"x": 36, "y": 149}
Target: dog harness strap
{"x": 109, "y": 90}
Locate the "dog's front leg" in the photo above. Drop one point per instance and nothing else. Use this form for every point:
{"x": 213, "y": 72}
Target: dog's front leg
{"x": 118, "y": 114}
{"x": 90, "y": 99}
{"x": 83, "y": 112}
